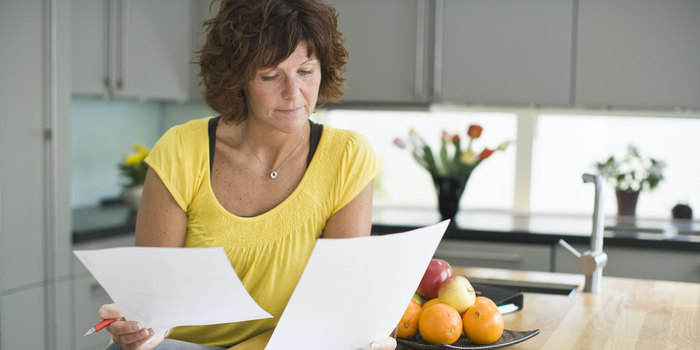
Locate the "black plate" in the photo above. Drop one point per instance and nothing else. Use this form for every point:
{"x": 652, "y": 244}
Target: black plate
{"x": 507, "y": 339}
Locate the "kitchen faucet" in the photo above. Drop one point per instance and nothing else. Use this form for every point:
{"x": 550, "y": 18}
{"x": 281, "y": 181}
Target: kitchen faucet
{"x": 592, "y": 262}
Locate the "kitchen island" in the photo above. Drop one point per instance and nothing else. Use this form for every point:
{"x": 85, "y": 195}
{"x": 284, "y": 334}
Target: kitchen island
{"x": 627, "y": 314}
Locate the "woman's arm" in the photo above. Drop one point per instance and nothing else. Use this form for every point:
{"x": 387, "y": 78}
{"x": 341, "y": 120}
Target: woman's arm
{"x": 354, "y": 219}
{"x": 160, "y": 221}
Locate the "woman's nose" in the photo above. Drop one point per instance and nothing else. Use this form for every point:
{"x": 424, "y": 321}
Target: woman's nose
{"x": 292, "y": 88}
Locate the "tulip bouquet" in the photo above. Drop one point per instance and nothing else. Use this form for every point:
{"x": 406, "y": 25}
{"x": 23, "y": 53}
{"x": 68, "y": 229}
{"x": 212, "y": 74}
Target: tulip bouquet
{"x": 453, "y": 162}
{"x": 133, "y": 168}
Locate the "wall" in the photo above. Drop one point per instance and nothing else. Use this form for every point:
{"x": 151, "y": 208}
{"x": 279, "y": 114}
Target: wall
{"x": 103, "y": 131}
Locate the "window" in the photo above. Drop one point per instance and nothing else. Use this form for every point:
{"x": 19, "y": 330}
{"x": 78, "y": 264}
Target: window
{"x": 567, "y": 146}
{"x": 404, "y": 183}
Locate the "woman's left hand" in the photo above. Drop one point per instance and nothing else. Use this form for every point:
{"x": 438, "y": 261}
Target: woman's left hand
{"x": 384, "y": 344}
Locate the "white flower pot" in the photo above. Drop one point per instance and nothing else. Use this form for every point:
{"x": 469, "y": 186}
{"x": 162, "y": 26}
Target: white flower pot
{"x": 132, "y": 196}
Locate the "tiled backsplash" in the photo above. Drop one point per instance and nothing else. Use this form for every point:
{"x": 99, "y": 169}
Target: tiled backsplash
{"x": 103, "y": 131}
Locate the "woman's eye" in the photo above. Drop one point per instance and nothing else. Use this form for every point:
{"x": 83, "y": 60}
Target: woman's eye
{"x": 268, "y": 77}
{"x": 306, "y": 72}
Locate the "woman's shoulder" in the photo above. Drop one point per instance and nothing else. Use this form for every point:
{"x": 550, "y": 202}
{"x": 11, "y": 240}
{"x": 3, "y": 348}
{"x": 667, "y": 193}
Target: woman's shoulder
{"x": 345, "y": 139}
{"x": 191, "y": 132}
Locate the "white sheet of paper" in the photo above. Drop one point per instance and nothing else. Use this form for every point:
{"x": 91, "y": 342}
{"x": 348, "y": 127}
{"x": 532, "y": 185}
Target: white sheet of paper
{"x": 167, "y": 287}
{"x": 354, "y": 291}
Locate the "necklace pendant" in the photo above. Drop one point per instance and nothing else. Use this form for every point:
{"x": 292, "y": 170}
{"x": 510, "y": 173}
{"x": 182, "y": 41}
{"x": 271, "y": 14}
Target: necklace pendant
{"x": 273, "y": 174}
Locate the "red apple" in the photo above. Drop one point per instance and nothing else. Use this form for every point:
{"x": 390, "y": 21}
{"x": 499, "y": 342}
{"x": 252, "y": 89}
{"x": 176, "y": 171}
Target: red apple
{"x": 437, "y": 271}
{"x": 457, "y": 292}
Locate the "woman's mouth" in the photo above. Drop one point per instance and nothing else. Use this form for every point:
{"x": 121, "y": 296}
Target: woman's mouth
{"x": 290, "y": 111}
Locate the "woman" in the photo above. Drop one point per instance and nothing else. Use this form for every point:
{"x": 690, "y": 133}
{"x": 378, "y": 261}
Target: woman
{"x": 261, "y": 180}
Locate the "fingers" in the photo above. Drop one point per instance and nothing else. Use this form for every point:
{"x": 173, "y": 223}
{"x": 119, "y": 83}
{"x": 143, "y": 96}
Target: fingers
{"x": 384, "y": 344}
{"x": 129, "y": 334}
{"x": 109, "y": 311}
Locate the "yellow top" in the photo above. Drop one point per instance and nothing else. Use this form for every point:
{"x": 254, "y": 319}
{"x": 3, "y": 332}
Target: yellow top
{"x": 269, "y": 251}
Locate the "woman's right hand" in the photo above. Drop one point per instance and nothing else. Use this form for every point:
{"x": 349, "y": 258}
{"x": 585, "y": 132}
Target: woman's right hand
{"x": 130, "y": 335}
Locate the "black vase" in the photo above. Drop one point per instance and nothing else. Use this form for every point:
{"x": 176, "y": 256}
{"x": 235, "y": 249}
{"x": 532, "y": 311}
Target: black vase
{"x": 626, "y": 202}
{"x": 449, "y": 192}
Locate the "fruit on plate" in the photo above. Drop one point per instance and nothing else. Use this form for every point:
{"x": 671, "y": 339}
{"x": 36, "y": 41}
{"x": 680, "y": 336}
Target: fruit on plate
{"x": 483, "y": 324}
{"x": 440, "y": 324}
{"x": 417, "y": 298}
{"x": 430, "y": 302}
{"x": 437, "y": 271}
{"x": 457, "y": 292}
{"x": 480, "y": 299}
{"x": 408, "y": 326}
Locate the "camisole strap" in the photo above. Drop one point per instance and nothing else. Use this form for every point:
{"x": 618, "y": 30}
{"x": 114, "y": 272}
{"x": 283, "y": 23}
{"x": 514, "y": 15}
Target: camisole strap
{"x": 315, "y": 137}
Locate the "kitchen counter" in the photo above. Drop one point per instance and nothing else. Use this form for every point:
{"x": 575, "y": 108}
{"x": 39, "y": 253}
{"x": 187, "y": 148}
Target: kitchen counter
{"x": 627, "y": 314}
{"x": 105, "y": 221}
{"x": 683, "y": 235}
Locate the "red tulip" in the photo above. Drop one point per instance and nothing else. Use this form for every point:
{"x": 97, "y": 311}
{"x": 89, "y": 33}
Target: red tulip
{"x": 486, "y": 153}
{"x": 474, "y": 131}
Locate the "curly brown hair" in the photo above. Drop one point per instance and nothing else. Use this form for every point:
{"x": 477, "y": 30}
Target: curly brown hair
{"x": 248, "y": 35}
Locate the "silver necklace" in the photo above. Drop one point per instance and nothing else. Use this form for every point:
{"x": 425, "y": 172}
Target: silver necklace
{"x": 273, "y": 173}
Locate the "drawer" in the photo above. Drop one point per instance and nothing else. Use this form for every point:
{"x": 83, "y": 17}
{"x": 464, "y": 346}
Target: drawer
{"x": 511, "y": 256}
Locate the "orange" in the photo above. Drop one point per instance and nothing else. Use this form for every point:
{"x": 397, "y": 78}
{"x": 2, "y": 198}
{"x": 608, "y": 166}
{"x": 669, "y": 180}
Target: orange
{"x": 408, "y": 326}
{"x": 483, "y": 323}
{"x": 440, "y": 324}
{"x": 485, "y": 300}
{"x": 430, "y": 302}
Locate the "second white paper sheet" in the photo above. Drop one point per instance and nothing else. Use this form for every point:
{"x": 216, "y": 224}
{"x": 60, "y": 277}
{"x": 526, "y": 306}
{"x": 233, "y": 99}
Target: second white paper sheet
{"x": 354, "y": 291}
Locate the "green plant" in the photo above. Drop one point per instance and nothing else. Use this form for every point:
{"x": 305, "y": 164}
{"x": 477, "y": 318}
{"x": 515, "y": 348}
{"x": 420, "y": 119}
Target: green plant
{"x": 452, "y": 161}
{"x": 134, "y": 168}
{"x": 633, "y": 172}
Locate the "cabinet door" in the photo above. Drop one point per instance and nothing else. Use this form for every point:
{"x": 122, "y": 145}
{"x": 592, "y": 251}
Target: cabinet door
{"x": 638, "y": 53}
{"x": 510, "y": 256}
{"x": 154, "y": 61}
{"x": 381, "y": 38}
{"x": 89, "y": 41}
{"x": 148, "y": 54}
{"x": 89, "y": 296}
{"x": 505, "y": 52}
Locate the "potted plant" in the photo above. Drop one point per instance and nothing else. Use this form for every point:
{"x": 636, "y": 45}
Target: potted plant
{"x": 133, "y": 169}
{"x": 631, "y": 174}
{"x": 452, "y": 167}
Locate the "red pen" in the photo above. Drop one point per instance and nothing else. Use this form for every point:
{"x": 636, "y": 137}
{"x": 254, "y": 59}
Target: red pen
{"x": 98, "y": 327}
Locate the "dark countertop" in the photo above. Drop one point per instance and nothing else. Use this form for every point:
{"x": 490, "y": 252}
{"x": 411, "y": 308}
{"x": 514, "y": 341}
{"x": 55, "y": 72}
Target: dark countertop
{"x": 111, "y": 220}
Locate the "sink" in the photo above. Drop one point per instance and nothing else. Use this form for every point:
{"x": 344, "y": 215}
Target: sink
{"x": 526, "y": 287}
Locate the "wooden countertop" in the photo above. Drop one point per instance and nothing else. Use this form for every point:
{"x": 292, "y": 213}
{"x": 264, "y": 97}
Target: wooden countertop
{"x": 627, "y": 314}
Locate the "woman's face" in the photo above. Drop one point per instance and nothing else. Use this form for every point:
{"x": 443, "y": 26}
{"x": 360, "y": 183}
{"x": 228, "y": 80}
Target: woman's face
{"x": 284, "y": 97}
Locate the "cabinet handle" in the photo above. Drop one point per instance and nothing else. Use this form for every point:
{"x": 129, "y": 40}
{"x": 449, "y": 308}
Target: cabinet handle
{"x": 437, "y": 69}
{"x": 420, "y": 47}
{"x": 463, "y": 254}
{"x": 111, "y": 47}
{"x": 124, "y": 46}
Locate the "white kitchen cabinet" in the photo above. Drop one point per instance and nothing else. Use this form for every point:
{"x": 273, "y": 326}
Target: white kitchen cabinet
{"x": 507, "y": 52}
{"x": 512, "y": 256}
{"x": 642, "y": 263}
{"x": 479, "y": 51}
{"x": 89, "y": 295}
{"x": 387, "y": 45}
{"x": 34, "y": 175}
{"x": 133, "y": 49}
{"x": 638, "y": 53}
